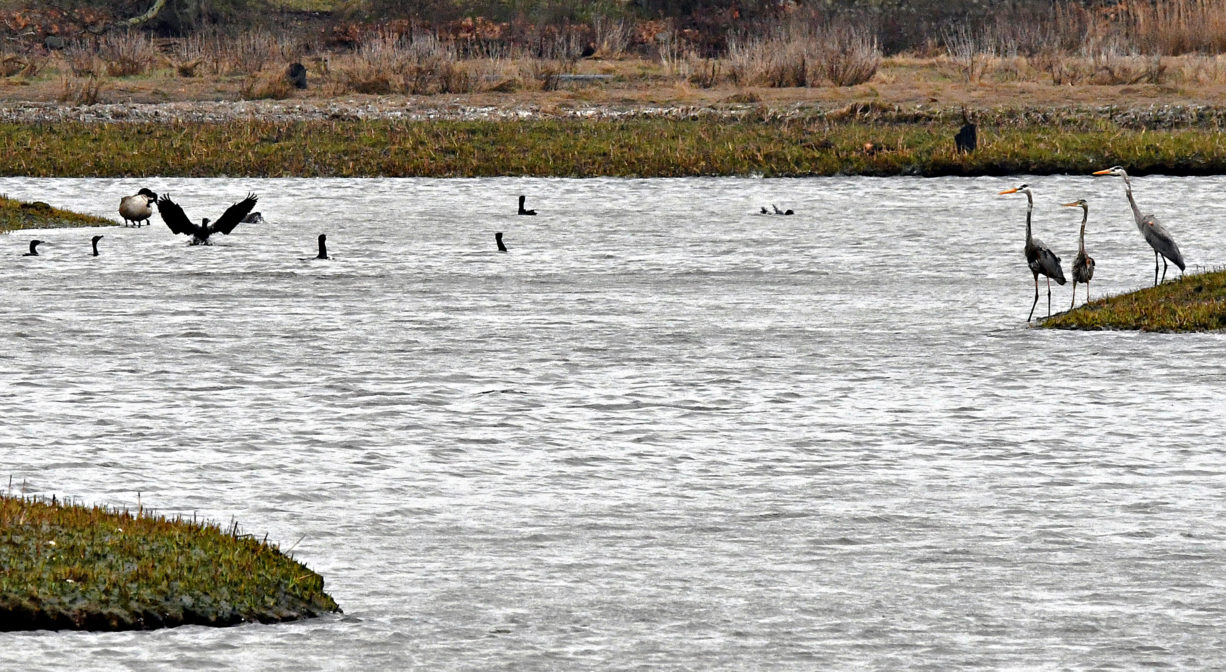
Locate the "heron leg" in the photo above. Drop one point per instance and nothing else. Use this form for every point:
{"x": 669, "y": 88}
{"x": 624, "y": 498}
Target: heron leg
{"x": 1036, "y": 298}
{"x": 1049, "y": 296}
{"x": 1155, "y": 268}
{"x": 1070, "y": 303}
{"x": 1164, "y": 269}
{"x": 1087, "y": 291}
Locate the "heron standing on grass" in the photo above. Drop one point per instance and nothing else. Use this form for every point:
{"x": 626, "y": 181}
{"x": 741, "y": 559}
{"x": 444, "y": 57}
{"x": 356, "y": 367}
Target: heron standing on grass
{"x": 1083, "y": 265}
{"x": 1039, "y": 256}
{"x": 1155, "y": 234}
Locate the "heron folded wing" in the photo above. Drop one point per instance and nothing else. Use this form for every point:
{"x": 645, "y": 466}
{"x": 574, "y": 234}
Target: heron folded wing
{"x": 234, "y": 215}
{"x": 1160, "y": 239}
{"x": 1050, "y": 265}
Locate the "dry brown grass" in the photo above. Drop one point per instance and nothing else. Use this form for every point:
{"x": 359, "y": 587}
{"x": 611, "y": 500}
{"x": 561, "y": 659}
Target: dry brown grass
{"x": 127, "y": 53}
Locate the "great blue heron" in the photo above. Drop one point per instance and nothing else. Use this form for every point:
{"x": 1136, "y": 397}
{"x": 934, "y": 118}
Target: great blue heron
{"x": 138, "y": 207}
{"x": 1157, "y": 236}
{"x": 178, "y": 222}
{"x": 1039, "y": 256}
{"x": 1083, "y": 265}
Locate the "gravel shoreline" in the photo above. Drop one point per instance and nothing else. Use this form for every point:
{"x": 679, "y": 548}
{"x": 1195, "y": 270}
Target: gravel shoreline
{"x": 1147, "y": 117}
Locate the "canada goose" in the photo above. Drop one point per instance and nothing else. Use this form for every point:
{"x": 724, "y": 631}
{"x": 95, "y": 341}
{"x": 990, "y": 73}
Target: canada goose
{"x": 138, "y": 207}
{"x": 498, "y": 239}
{"x": 178, "y": 222}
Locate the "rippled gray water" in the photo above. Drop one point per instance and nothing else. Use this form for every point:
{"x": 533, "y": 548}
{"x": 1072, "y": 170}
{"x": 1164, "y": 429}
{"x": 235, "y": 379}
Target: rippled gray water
{"x": 663, "y": 431}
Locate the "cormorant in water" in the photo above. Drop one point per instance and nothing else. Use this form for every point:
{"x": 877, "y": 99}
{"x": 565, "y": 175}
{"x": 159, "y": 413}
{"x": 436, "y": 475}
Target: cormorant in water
{"x": 33, "y": 252}
{"x": 95, "y": 240}
{"x": 138, "y": 207}
{"x": 523, "y": 211}
{"x": 323, "y": 248}
{"x": 178, "y": 222}
{"x": 498, "y": 239}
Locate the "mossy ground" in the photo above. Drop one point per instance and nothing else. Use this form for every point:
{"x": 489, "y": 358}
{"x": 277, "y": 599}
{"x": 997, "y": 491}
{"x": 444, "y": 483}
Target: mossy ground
{"x": 750, "y": 144}
{"x": 1191, "y": 303}
{"x": 67, "y": 566}
{"x": 15, "y": 215}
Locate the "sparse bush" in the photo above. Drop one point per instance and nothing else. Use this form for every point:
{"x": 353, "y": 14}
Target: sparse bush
{"x": 82, "y": 59}
{"x": 266, "y": 85}
{"x": 850, "y": 56}
{"x": 80, "y": 90}
{"x": 127, "y": 53}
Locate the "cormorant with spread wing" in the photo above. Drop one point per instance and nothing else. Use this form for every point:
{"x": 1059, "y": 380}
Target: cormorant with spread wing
{"x": 178, "y": 222}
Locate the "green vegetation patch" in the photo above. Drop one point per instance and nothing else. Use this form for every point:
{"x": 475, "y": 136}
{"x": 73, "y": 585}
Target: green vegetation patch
{"x": 755, "y": 143}
{"x": 15, "y": 214}
{"x": 67, "y": 566}
{"x": 1192, "y": 303}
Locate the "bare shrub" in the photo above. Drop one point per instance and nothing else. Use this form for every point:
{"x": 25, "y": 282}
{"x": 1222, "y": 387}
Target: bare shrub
{"x": 968, "y": 48}
{"x": 778, "y": 61}
{"x": 1060, "y": 65}
{"x": 82, "y": 59}
{"x": 252, "y": 51}
{"x": 611, "y": 36}
{"x": 744, "y": 59}
{"x": 80, "y": 90}
{"x": 127, "y": 53}
{"x": 674, "y": 56}
{"x": 187, "y": 56}
{"x": 266, "y": 85}
{"x": 850, "y": 56}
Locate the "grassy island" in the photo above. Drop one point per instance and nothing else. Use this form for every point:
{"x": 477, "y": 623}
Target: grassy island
{"x": 1192, "y": 303}
{"x": 15, "y": 214}
{"x": 858, "y": 139}
{"x": 67, "y": 566}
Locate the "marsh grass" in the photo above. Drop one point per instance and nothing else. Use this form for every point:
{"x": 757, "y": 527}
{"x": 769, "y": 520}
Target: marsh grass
{"x": 68, "y": 566}
{"x": 757, "y": 141}
{"x": 16, "y": 214}
{"x": 1194, "y": 302}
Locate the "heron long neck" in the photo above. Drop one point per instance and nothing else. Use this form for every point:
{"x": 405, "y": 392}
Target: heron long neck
{"x": 1136, "y": 212}
{"x": 1029, "y": 209}
{"x": 1081, "y": 243}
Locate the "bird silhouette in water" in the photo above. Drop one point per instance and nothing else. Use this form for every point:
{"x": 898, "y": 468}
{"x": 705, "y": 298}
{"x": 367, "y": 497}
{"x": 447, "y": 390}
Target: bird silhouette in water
{"x": 522, "y": 209}
{"x": 1083, "y": 264}
{"x": 33, "y": 248}
{"x": 253, "y": 218}
{"x": 1039, "y": 256}
{"x": 1154, "y": 233}
{"x": 323, "y": 247}
{"x": 94, "y": 242}
{"x": 178, "y": 222}
{"x": 498, "y": 239}
{"x": 138, "y": 207}
{"x": 765, "y": 211}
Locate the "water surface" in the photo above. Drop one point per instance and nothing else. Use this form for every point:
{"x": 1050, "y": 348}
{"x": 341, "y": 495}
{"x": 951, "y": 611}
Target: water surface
{"x": 662, "y": 432}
